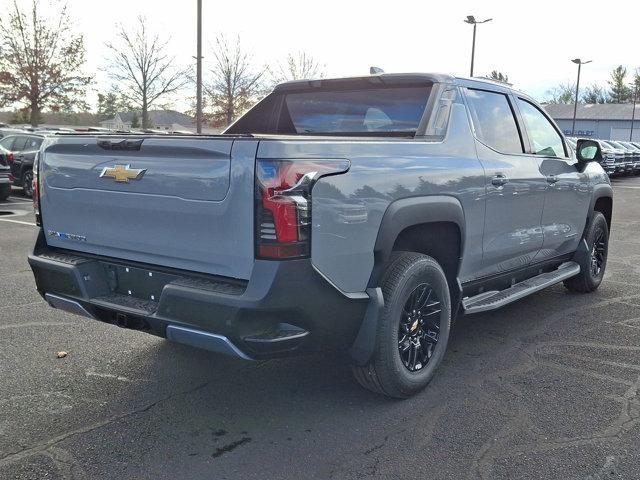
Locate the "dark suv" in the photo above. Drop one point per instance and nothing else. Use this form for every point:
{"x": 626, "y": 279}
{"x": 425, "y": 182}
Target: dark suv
{"x": 22, "y": 149}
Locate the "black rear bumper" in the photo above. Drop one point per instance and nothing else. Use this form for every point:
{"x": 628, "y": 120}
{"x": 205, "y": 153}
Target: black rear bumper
{"x": 285, "y": 307}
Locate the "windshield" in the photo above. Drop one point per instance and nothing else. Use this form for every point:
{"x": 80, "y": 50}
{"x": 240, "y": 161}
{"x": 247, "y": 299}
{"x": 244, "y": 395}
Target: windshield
{"x": 376, "y": 111}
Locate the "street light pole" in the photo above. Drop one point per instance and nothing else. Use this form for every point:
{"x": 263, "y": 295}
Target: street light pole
{"x": 575, "y": 103}
{"x": 471, "y": 20}
{"x": 199, "y": 71}
{"x": 633, "y": 112}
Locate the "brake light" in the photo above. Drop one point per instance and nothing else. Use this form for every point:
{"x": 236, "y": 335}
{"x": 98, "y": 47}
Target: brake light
{"x": 283, "y": 204}
{"x": 9, "y": 157}
{"x": 35, "y": 187}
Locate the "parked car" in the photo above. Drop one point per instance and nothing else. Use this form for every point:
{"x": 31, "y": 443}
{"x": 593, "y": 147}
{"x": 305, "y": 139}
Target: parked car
{"x": 635, "y": 156}
{"x": 22, "y": 149}
{"x": 216, "y": 241}
{"x": 619, "y": 154}
{"x": 6, "y": 179}
{"x": 627, "y": 155}
{"x": 9, "y": 131}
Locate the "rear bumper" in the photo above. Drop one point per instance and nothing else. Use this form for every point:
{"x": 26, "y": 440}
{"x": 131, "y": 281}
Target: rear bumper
{"x": 285, "y": 307}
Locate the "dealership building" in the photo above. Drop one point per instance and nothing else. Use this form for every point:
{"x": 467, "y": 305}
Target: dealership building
{"x": 609, "y": 121}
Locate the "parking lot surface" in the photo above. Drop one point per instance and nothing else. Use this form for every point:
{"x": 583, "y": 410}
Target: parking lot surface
{"x": 545, "y": 388}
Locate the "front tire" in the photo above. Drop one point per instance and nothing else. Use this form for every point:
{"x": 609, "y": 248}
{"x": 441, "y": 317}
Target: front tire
{"x": 27, "y": 186}
{"x": 592, "y": 266}
{"x": 413, "y": 330}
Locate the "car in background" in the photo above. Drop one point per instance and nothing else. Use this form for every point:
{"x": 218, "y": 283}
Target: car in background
{"x": 6, "y": 179}
{"x": 618, "y": 153}
{"x": 22, "y": 149}
{"x": 635, "y": 156}
{"x": 628, "y": 155}
{"x": 9, "y": 131}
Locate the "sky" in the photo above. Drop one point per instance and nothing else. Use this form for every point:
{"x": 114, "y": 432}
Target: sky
{"x": 532, "y": 42}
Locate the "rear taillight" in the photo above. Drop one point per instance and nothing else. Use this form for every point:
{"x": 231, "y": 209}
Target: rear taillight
{"x": 283, "y": 204}
{"x": 35, "y": 186}
{"x": 9, "y": 157}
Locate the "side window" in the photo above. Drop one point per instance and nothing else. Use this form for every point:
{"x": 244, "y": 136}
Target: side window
{"x": 545, "y": 139}
{"x": 494, "y": 121}
{"x": 33, "y": 143}
{"x": 19, "y": 144}
{"x": 7, "y": 142}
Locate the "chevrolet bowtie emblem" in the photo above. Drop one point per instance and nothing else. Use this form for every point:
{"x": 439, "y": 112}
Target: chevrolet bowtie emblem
{"x": 123, "y": 173}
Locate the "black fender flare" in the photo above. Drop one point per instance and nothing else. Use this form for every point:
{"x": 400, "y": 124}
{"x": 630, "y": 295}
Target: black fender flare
{"x": 601, "y": 190}
{"x": 408, "y": 212}
{"x": 399, "y": 215}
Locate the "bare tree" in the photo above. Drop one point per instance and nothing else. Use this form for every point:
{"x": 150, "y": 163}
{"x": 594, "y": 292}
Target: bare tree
{"x": 563, "y": 93}
{"x": 298, "y": 66}
{"x": 41, "y": 58}
{"x": 142, "y": 68}
{"x": 235, "y": 84}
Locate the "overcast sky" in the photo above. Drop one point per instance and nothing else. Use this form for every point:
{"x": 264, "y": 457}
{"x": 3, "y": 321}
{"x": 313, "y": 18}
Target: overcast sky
{"x": 532, "y": 42}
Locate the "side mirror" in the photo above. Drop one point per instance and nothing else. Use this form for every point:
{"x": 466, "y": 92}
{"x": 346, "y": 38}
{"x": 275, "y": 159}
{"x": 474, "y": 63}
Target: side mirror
{"x": 588, "y": 151}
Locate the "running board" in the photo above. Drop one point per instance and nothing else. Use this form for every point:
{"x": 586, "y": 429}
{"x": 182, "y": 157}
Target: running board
{"x": 496, "y": 299}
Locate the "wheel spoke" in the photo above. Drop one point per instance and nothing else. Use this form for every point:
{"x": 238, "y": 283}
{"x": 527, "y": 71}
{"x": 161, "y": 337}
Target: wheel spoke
{"x": 422, "y": 303}
{"x": 419, "y": 327}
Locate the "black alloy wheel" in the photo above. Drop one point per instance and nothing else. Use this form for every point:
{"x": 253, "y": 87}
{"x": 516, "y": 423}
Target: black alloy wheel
{"x": 419, "y": 327}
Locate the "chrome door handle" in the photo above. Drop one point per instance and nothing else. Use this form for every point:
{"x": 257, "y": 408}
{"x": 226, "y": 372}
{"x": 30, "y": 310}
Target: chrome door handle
{"x": 552, "y": 179}
{"x": 499, "y": 180}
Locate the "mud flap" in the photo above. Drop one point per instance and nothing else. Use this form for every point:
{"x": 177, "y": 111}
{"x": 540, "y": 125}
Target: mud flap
{"x": 365, "y": 342}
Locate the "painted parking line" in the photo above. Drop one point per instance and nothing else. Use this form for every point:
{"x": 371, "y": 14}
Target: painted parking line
{"x": 626, "y": 186}
{"x": 17, "y": 221}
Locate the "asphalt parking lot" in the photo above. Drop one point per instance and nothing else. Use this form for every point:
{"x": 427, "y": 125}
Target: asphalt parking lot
{"x": 545, "y": 388}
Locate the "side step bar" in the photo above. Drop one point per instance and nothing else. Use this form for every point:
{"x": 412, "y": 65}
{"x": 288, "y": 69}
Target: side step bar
{"x": 496, "y": 299}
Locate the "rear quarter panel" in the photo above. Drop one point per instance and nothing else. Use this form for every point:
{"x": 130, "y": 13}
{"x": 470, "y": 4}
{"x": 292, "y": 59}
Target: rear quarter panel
{"x": 347, "y": 209}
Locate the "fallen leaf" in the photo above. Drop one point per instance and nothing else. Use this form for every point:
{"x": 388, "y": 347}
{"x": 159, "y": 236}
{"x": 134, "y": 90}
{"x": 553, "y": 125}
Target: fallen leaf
{"x": 61, "y": 354}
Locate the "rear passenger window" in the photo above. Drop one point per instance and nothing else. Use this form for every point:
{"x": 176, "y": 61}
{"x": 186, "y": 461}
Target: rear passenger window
{"x": 494, "y": 122}
{"x": 33, "y": 143}
{"x": 545, "y": 139}
{"x": 19, "y": 144}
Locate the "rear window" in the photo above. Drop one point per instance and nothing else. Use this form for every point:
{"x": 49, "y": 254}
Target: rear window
{"x": 387, "y": 111}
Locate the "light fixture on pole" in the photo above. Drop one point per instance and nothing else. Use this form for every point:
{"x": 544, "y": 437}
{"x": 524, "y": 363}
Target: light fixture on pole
{"x": 575, "y": 103}
{"x": 471, "y": 20}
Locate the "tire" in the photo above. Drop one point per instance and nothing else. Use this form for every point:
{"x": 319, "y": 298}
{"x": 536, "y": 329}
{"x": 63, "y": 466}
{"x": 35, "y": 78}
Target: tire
{"x": 5, "y": 191}
{"x": 27, "y": 187}
{"x": 389, "y": 372}
{"x": 592, "y": 266}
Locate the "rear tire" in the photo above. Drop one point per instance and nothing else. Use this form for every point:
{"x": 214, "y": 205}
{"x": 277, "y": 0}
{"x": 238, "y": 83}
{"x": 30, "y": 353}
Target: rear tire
{"x": 413, "y": 330}
{"x": 27, "y": 186}
{"x": 5, "y": 191}
{"x": 593, "y": 265}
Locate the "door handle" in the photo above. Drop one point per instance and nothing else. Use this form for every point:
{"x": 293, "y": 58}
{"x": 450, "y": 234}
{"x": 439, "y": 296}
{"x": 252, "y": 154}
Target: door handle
{"x": 552, "y": 179}
{"x": 499, "y": 180}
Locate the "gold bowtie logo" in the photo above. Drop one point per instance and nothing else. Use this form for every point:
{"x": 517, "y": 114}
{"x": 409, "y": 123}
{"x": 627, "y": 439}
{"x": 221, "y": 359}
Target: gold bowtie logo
{"x": 123, "y": 173}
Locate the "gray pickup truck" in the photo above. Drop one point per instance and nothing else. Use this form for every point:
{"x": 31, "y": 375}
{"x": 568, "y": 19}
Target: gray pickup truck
{"x": 359, "y": 215}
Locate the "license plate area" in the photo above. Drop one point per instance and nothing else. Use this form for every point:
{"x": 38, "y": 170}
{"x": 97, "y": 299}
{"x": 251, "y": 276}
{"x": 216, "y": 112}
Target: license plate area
{"x": 136, "y": 282}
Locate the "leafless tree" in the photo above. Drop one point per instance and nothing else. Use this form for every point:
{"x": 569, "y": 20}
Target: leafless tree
{"x": 142, "y": 68}
{"x": 234, "y": 83}
{"x": 298, "y": 66}
{"x": 41, "y": 60}
{"x": 563, "y": 93}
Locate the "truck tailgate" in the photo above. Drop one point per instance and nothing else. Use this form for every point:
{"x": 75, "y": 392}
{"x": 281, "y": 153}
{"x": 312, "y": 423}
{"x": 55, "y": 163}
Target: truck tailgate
{"x": 163, "y": 201}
